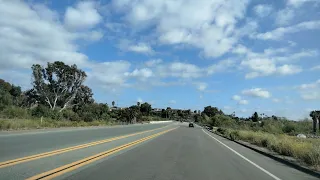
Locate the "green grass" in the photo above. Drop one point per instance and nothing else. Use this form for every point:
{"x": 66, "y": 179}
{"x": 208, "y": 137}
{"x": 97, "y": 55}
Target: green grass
{"x": 305, "y": 150}
{"x": 17, "y": 124}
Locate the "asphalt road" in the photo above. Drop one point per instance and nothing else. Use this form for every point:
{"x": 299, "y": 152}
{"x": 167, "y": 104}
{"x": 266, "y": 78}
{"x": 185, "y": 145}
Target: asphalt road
{"x": 173, "y": 152}
{"x": 20, "y": 144}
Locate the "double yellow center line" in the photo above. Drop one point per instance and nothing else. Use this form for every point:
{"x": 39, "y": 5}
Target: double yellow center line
{"x": 64, "y": 150}
{"x": 75, "y": 165}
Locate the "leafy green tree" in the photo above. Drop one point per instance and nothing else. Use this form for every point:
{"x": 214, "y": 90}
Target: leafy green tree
{"x": 211, "y": 111}
{"x": 129, "y": 114}
{"x": 197, "y": 118}
{"x": 5, "y": 99}
{"x": 181, "y": 114}
{"x": 41, "y": 111}
{"x": 9, "y": 94}
{"x": 57, "y": 85}
{"x": 15, "y": 91}
{"x": 255, "y": 117}
{"x": 138, "y": 104}
{"x": 94, "y": 111}
{"x": 169, "y": 112}
{"x": 145, "y": 108}
{"x": 5, "y": 86}
{"x": 163, "y": 113}
{"x": 113, "y": 103}
{"x": 221, "y": 120}
{"x": 84, "y": 96}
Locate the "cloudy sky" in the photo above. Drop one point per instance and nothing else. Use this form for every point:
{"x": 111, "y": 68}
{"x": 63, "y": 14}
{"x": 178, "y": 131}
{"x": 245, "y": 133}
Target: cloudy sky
{"x": 238, "y": 55}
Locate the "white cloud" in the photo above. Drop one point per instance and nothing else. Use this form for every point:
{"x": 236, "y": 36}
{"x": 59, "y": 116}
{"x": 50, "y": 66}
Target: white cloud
{"x": 288, "y": 69}
{"x": 141, "y": 48}
{"x": 142, "y": 74}
{"x": 188, "y": 70}
{"x": 115, "y": 27}
{"x": 278, "y": 33}
{"x": 153, "y": 62}
{"x": 240, "y": 100}
{"x": 310, "y": 91}
{"x": 240, "y": 49}
{"x": 298, "y": 3}
{"x": 236, "y": 97}
{"x": 207, "y": 25}
{"x": 315, "y": 95}
{"x": 202, "y": 86}
{"x": 172, "y": 102}
{"x": 263, "y": 10}
{"x": 221, "y": 66}
{"x": 257, "y": 92}
{"x": 108, "y": 74}
{"x": 289, "y": 57}
{"x": 271, "y": 63}
{"x": 243, "y": 102}
{"x": 83, "y": 16}
{"x": 92, "y": 35}
{"x": 24, "y": 49}
{"x": 315, "y": 68}
{"x": 260, "y": 66}
{"x": 309, "y": 85}
{"x": 284, "y": 16}
{"x": 128, "y": 45}
{"x": 180, "y": 70}
{"x": 276, "y": 100}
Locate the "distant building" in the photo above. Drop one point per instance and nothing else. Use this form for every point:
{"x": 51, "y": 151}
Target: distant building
{"x": 156, "y": 109}
{"x": 117, "y": 108}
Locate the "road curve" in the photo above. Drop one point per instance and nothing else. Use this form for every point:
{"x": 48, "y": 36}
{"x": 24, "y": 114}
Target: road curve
{"x": 163, "y": 152}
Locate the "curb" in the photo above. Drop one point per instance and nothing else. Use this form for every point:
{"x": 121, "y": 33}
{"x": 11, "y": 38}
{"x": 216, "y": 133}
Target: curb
{"x": 279, "y": 159}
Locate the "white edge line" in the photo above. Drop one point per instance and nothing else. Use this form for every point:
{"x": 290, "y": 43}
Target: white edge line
{"x": 254, "y": 164}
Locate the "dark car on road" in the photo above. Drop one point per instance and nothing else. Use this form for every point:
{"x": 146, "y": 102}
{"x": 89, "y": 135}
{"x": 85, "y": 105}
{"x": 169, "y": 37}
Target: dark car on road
{"x": 191, "y": 125}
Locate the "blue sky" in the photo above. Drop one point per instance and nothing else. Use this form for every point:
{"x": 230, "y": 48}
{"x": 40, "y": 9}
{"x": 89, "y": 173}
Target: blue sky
{"x": 238, "y": 55}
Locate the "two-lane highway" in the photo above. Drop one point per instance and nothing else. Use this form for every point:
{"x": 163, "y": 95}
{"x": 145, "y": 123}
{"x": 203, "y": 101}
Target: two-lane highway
{"x": 158, "y": 152}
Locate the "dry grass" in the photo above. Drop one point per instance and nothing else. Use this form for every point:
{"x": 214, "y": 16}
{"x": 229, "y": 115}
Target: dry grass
{"x": 16, "y": 124}
{"x": 305, "y": 150}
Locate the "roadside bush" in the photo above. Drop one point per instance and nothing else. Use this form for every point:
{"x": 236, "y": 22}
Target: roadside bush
{"x": 221, "y": 131}
{"x": 306, "y": 150}
{"x": 105, "y": 117}
{"x": 12, "y": 112}
{"x": 222, "y": 121}
{"x": 5, "y": 99}
{"x": 272, "y": 126}
{"x": 87, "y": 116}
{"x": 41, "y": 111}
{"x": 289, "y": 128}
{"x": 70, "y": 115}
{"x": 56, "y": 115}
{"x": 145, "y": 118}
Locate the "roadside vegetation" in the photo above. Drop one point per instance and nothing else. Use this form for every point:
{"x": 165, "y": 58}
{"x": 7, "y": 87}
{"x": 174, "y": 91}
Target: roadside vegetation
{"x": 59, "y": 98}
{"x": 306, "y": 151}
{"x": 274, "y": 133}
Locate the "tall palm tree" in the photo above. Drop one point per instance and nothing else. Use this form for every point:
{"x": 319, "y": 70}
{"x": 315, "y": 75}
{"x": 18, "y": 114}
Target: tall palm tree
{"x": 138, "y": 104}
{"x": 113, "y": 103}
